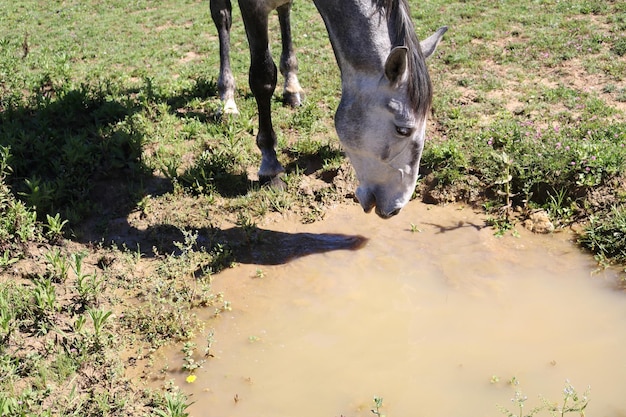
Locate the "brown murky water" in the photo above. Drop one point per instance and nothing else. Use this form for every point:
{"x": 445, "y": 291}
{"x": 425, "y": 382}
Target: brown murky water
{"x": 424, "y": 319}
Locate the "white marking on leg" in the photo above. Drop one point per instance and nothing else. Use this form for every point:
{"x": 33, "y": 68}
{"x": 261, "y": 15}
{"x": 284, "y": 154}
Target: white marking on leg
{"x": 230, "y": 107}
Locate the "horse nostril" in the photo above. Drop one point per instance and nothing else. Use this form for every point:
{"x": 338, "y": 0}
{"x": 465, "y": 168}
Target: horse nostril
{"x": 389, "y": 215}
{"x": 393, "y": 213}
{"x": 366, "y": 199}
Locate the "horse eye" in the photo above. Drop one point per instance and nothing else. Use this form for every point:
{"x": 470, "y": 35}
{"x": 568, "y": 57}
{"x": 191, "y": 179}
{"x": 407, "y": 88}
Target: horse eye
{"x": 404, "y": 131}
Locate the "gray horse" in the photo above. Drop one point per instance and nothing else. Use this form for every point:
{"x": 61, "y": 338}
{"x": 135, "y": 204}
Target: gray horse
{"x": 386, "y": 89}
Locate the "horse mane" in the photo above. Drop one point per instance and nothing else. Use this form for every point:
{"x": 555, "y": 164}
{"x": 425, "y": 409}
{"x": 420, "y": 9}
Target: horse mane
{"x": 402, "y": 31}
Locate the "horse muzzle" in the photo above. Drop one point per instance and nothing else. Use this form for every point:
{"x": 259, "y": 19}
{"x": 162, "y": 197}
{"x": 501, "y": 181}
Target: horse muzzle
{"x": 368, "y": 202}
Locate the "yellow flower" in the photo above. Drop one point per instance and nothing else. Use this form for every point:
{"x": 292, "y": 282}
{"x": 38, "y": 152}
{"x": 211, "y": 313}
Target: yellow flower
{"x": 190, "y": 379}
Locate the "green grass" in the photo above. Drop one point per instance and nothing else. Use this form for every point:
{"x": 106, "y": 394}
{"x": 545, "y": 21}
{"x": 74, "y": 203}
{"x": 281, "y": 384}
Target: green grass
{"x": 109, "y": 115}
{"x": 541, "y": 89}
{"x": 606, "y": 236}
{"x": 18, "y": 223}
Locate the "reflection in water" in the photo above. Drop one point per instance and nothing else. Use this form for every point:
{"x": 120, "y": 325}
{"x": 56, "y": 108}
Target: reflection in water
{"x": 433, "y": 317}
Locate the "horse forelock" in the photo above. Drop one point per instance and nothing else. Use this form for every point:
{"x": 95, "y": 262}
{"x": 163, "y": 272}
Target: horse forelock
{"x": 402, "y": 32}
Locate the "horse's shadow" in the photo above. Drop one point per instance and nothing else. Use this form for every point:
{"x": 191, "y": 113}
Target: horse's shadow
{"x": 239, "y": 244}
{"x": 67, "y": 143}
{"x": 89, "y": 168}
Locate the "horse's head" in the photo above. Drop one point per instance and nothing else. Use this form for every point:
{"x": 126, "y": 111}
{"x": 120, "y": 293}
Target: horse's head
{"x": 381, "y": 123}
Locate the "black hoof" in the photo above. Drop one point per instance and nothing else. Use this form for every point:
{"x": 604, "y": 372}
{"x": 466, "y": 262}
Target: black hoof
{"x": 275, "y": 183}
{"x": 292, "y": 99}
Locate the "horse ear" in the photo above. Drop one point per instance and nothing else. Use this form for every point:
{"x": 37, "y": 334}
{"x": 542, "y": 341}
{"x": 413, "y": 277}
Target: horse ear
{"x": 429, "y": 45}
{"x": 395, "y": 67}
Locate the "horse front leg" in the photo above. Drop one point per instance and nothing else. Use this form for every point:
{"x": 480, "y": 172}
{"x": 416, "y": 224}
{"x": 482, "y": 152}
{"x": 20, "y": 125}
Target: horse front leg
{"x": 288, "y": 62}
{"x": 221, "y": 13}
{"x": 262, "y": 77}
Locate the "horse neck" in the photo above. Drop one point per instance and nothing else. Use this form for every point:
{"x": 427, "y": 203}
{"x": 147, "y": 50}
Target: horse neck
{"x": 359, "y": 34}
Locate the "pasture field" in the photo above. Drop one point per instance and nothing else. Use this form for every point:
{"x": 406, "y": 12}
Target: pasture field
{"x": 123, "y": 190}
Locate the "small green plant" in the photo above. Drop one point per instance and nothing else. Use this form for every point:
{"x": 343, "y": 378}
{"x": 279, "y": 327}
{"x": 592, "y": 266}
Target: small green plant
{"x": 519, "y": 400}
{"x": 39, "y": 194}
{"x": 99, "y": 319}
{"x": 606, "y": 236}
{"x": 79, "y": 324}
{"x": 55, "y": 227}
{"x": 572, "y": 403}
{"x": 378, "y": 404}
{"x": 189, "y": 363}
{"x": 249, "y": 227}
{"x": 501, "y": 225}
{"x": 7, "y": 259}
{"x": 7, "y": 321}
{"x": 58, "y": 265}
{"x": 504, "y": 180}
{"x": 77, "y": 262}
{"x": 210, "y": 339}
{"x": 45, "y": 297}
{"x": 169, "y": 167}
{"x": 277, "y": 200}
{"x": 136, "y": 254}
{"x": 175, "y": 406}
{"x": 447, "y": 161}
{"x": 88, "y": 285}
{"x": 190, "y": 239}
{"x": 222, "y": 257}
{"x": 619, "y": 47}
{"x": 18, "y": 223}
{"x": 144, "y": 205}
{"x": 559, "y": 206}
{"x": 8, "y": 406}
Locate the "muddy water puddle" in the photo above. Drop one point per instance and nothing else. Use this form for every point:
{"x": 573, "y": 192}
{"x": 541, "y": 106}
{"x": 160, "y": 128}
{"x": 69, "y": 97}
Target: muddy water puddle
{"x": 432, "y": 312}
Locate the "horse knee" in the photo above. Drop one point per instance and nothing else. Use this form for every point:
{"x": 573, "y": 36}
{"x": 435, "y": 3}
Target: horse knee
{"x": 263, "y": 78}
{"x": 221, "y": 13}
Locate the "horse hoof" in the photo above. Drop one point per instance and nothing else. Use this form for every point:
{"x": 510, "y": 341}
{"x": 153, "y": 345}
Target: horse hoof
{"x": 292, "y": 99}
{"x": 230, "y": 107}
{"x": 275, "y": 183}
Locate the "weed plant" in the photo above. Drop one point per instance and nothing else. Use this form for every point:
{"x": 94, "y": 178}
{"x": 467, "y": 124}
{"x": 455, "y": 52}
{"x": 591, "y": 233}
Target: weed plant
{"x": 18, "y": 222}
{"x": 607, "y": 236}
{"x": 378, "y": 405}
{"x": 60, "y": 327}
{"x": 572, "y": 403}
